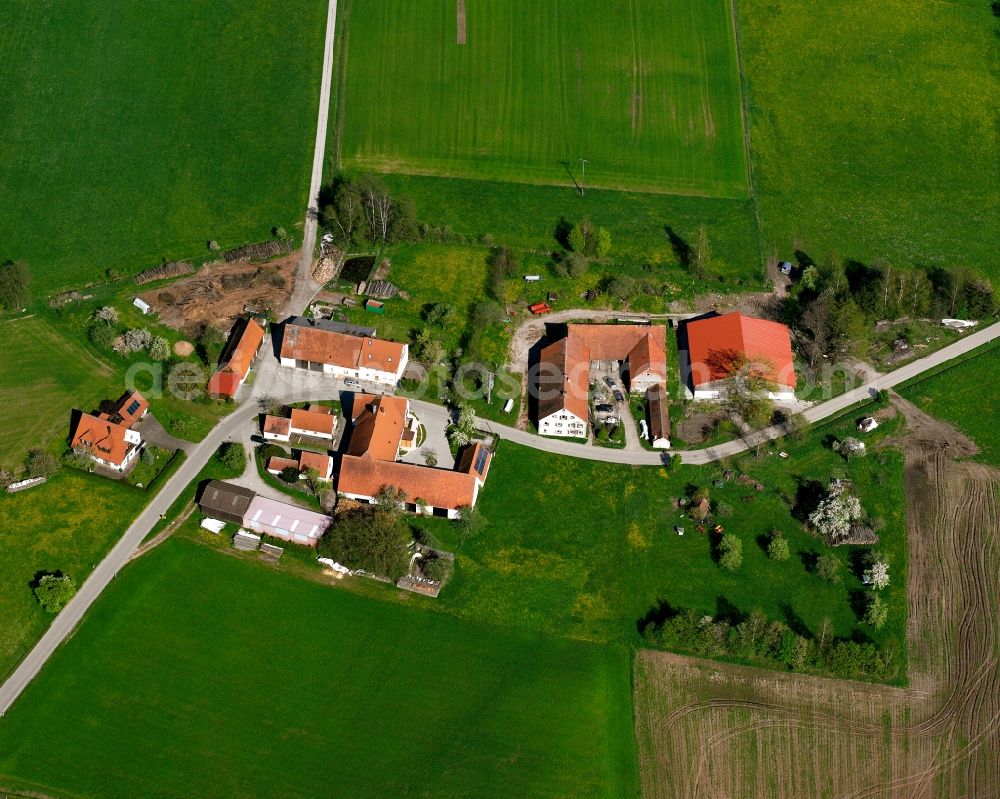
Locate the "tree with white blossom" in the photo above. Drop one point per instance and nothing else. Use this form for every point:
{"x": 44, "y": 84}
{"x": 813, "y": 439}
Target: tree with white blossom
{"x": 877, "y": 575}
{"x": 835, "y": 513}
{"x": 107, "y": 314}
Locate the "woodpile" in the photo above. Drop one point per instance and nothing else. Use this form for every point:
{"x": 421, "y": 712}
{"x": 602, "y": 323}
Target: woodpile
{"x": 381, "y": 290}
{"x": 256, "y": 252}
{"x": 858, "y": 535}
{"x": 328, "y": 267}
{"x": 172, "y": 269}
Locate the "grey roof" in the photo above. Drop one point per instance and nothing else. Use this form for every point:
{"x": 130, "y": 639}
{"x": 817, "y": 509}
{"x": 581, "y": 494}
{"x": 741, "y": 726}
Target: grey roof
{"x": 659, "y": 419}
{"x": 222, "y": 497}
{"x": 333, "y": 327}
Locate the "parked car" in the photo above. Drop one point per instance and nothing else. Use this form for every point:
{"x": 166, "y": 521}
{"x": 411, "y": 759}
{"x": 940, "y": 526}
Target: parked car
{"x": 619, "y": 397}
{"x": 611, "y": 383}
{"x": 604, "y": 407}
{"x": 351, "y": 383}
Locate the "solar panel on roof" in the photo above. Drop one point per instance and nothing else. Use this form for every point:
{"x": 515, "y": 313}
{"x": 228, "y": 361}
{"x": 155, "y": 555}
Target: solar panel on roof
{"x": 133, "y": 406}
{"x": 481, "y": 457}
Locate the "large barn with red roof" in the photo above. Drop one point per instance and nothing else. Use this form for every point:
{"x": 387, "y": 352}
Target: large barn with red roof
{"x": 719, "y": 345}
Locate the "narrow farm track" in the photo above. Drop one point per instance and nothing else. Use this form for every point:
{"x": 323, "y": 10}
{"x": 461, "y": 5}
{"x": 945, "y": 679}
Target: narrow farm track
{"x": 711, "y": 730}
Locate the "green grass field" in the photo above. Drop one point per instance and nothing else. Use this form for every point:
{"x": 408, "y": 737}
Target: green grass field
{"x": 526, "y": 217}
{"x": 45, "y": 375}
{"x": 203, "y": 674}
{"x": 587, "y": 549}
{"x": 67, "y": 524}
{"x": 648, "y": 92}
{"x": 965, "y": 395}
{"x": 873, "y": 129}
{"x": 137, "y": 132}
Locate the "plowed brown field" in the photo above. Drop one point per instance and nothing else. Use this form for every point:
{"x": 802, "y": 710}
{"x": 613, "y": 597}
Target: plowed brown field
{"x": 707, "y": 729}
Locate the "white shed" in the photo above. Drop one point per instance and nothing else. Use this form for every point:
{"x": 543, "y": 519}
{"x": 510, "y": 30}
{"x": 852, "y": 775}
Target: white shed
{"x": 142, "y": 305}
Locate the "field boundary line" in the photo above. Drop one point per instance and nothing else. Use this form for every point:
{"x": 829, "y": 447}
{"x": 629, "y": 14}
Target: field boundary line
{"x": 340, "y": 66}
{"x": 734, "y": 16}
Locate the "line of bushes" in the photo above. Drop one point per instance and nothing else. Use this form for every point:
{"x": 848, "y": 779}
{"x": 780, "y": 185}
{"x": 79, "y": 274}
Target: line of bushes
{"x": 758, "y": 641}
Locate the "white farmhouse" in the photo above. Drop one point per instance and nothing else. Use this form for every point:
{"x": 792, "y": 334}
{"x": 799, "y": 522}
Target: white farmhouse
{"x": 343, "y": 355}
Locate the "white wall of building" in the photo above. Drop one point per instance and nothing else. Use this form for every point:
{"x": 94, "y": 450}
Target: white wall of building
{"x": 563, "y": 423}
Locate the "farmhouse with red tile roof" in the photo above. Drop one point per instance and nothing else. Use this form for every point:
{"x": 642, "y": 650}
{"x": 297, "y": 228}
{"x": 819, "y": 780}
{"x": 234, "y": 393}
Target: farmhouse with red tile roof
{"x": 379, "y": 434}
{"x": 244, "y": 343}
{"x": 108, "y": 438}
{"x": 564, "y": 371}
{"x": 342, "y": 354}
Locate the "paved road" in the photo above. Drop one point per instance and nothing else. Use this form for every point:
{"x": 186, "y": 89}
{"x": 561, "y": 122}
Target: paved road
{"x": 814, "y": 414}
{"x": 305, "y": 289}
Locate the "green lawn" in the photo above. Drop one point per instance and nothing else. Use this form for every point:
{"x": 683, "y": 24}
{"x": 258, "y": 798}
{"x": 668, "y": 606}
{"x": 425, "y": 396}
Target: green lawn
{"x": 648, "y": 92}
{"x": 453, "y": 275}
{"x": 965, "y": 395}
{"x": 44, "y": 375}
{"x": 137, "y": 132}
{"x": 873, "y": 128}
{"x": 587, "y": 549}
{"x": 526, "y": 217}
{"x": 66, "y": 524}
{"x": 199, "y": 673}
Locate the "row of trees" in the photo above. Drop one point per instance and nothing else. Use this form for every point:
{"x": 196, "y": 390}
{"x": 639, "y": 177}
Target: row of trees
{"x": 757, "y": 640}
{"x": 362, "y": 210}
{"x": 834, "y": 305}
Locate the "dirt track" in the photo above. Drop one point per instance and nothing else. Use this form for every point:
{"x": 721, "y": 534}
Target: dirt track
{"x": 710, "y": 730}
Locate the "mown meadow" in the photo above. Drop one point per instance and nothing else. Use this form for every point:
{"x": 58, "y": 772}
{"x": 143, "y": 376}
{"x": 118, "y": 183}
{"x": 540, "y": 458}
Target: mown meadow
{"x": 650, "y": 98}
{"x": 262, "y": 684}
{"x": 135, "y": 133}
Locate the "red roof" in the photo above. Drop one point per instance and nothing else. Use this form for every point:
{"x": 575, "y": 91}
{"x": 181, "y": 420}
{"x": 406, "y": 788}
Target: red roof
{"x": 316, "y": 345}
{"x": 103, "y": 438}
{"x": 564, "y": 367}
{"x": 313, "y": 422}
{"x": 224, "y": 384}
{"x": 279, "y": 464}
{"x": 129, "y": 408}
{"x": 563, "y": 379}
{"x": 319, "y": 461}
{"x": 440, "y": 488}
{"x": 717, "y": 344}
{"x": 379, "y": 423}
{"x": 230, "y": 376}
{"x": 277, "y": 425}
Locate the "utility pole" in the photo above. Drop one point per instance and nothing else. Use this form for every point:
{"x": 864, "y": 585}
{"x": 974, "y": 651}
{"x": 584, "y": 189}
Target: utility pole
{"x": 583, "y": 173}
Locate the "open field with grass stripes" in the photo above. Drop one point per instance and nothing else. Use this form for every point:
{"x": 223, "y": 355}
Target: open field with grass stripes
{"x": 203, "y": 674}
{"x": 648, "y": 92}
{"x": 137, "y": 132}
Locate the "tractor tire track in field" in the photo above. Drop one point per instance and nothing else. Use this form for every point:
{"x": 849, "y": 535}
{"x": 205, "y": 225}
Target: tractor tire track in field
{"x": 708, "y": 729}
{"x": 638, "y": 73}
{"x": 460, "y": 36}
